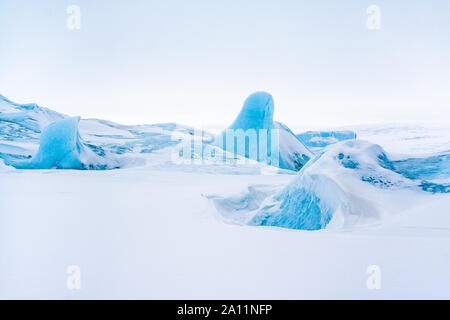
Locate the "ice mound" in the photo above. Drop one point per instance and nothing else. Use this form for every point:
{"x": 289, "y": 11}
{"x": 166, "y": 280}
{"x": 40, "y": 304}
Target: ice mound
{"x": 341, "y": 179}
{"x": 352, "y": 183}
{"x": 255, "y": 135}
{"x": 321, "y": 139}
{"x": 61, "y": 147}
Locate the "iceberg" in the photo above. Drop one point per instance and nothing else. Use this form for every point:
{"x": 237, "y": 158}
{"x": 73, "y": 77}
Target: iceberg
{"x": 255, "y": 135}
{"x": 61, "y": 147}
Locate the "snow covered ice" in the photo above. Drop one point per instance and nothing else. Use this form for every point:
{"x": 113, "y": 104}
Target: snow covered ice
{"x": 96, "y": 144}
{"x": 25, "y": 117}
{"x": 309, "y": 228}
{"x": 342, "y": 187}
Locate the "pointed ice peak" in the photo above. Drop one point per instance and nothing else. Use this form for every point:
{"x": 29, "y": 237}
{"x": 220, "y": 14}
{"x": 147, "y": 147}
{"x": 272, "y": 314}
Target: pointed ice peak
{"x": 253, "y": 130}
{"x": 257, "y": 112}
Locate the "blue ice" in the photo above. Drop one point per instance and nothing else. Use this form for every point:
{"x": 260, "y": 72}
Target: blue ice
{"x": 255, "y": 135}
{"x": 60, "y": 147}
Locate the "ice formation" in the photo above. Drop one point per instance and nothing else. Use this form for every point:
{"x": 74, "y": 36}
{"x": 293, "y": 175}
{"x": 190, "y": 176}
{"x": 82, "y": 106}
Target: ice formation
{"x": 61, "y": 147}
{"x": 21, "y": 126}
{"x": 255, "y": 135}
{"x": 25, "y": 117}
{"x": 350, "y": 183}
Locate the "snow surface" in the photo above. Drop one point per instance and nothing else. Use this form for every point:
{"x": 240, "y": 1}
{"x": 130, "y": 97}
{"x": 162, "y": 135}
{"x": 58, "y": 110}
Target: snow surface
{"x": 159, "y": 228}
{"x": 4, "y": 167}
{"x": 148, "y": 233}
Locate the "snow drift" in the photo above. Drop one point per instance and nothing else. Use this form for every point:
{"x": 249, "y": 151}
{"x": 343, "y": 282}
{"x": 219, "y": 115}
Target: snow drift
{"x": 255, "y": 135}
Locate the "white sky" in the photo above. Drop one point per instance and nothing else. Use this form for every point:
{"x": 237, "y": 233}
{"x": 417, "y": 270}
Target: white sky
{"x": 194, "y": 62}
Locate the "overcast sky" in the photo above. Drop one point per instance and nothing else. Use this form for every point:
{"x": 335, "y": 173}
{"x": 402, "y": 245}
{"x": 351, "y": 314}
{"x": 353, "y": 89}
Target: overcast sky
{"x": 194, "y": 62}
